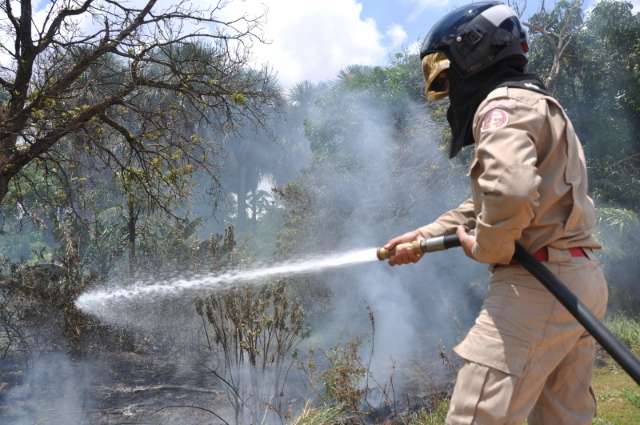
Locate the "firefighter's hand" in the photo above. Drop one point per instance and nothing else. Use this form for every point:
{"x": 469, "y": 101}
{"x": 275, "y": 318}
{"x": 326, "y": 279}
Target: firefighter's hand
{"x": 466, "y": 241}
{"x": 404, "y": 256}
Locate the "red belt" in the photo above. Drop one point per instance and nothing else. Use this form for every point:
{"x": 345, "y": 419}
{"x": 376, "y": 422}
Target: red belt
{"x": 543, "y": 254}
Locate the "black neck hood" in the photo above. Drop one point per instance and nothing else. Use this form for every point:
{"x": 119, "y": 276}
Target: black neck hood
{"x": 466, "y": 94}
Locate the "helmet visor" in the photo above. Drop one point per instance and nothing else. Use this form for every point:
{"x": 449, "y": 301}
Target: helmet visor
{"x": 436, "y": 84}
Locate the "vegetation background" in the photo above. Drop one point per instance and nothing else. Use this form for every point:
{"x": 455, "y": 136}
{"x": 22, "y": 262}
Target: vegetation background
{"x": 144, "y": 150}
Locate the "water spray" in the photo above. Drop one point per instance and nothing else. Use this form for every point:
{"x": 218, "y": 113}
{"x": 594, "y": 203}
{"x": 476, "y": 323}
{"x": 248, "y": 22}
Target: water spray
{"x": 102, "y": 302}
{"x": 111, "y": 304}
{"x": 616, "y": 349}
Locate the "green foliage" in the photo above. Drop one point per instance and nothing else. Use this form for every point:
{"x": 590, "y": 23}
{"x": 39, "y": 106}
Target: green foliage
{"x": 618, "y": 232}
{"x": 619, "y": 219}
{"x": 41, "y": 298}
{"x": 327, "y": 415}
{"x": 393, "y": 83}
{"x": 435, "y": 416}
{"x": 615, "y": 179}
{"x": 632, "y": 397}
{"x": 170, "y": 245}
{"x": 627, "y": 329}
{"x": 344, "y": 375}
{"x": 110, "y": 201}
{"x": 616, "y": 395}
{"x": 599, "y": 86}
{"x": 297, "y": 205}
{"x": 617, "y": 229}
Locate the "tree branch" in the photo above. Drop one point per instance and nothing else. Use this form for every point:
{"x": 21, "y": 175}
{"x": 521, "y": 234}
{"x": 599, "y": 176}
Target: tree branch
{"x": 57, "y": 21}
{"x": 166, "y": 85}
{"x": 23, "y": 157}
{"x": 11, "y": 16}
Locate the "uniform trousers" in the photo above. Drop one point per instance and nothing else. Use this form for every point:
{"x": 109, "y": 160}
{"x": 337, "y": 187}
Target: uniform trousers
{"x": 526, "y": 357}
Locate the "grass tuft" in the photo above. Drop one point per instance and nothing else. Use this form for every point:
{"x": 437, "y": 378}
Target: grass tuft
{"x": 433, "y": 417}
{"x": 627, "y": 329}
{"x": 328, "y": 415}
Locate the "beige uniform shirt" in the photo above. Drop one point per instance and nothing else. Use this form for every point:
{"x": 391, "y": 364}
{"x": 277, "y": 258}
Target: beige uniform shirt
{"x": 528, "y": 180}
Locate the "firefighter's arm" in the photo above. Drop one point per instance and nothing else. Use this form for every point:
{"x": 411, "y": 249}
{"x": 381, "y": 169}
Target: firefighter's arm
{"x": 507, "y": 177}
{"x": 447, "y": 223}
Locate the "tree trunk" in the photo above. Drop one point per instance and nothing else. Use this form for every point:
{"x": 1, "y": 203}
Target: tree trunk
{"x": 4, "y": 187}
{"x": 131, "y": 227}
{"x": 242, "y": 201}
{"x": 254, "y": 210}
{"x": 554, "y": 71}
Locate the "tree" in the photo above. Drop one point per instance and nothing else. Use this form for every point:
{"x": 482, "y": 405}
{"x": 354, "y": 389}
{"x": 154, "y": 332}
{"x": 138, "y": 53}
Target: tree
{"x": 50, "y": 90}
{"x": 599, "y": 87}
{"x": 258, "y": 153}
{"x": 557, "y": 29}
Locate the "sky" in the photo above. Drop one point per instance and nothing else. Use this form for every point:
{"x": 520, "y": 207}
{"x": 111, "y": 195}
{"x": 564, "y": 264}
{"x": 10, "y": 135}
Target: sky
{"x": 314, "y": 39}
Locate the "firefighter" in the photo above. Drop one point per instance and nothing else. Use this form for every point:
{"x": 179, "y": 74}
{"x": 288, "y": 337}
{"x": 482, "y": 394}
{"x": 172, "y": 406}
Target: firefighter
{"x": 525, "y": 357}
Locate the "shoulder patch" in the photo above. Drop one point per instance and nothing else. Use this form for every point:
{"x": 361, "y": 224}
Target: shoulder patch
{"x": 494, "y": 119}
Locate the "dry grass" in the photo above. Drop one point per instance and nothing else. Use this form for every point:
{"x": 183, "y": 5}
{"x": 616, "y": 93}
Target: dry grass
{"x": 627, "y": 329}
{"x": 434, "y": 417}
{"x": 328, "y": 415}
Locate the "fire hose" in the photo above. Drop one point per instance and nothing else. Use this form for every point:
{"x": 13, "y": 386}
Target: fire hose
{"x": 616, "y": 349}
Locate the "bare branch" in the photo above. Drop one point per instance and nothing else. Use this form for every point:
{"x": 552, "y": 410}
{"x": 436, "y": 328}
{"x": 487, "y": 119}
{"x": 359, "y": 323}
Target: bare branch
{"x": 57, "y": 21}
{"x": 11, "y": 16}
{"x": 104, "y": 47}
{"x": 6, "y": 84}
{"x": 119, "y": 128}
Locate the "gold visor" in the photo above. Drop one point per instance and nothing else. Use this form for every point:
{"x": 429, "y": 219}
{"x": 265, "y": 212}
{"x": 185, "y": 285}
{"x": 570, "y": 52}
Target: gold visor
{"x": 436, "y": 85}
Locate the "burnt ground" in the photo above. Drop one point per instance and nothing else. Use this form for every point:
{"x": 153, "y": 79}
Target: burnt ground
{"x": 123, "y": 388}
{"x": 152, "y": 388}
{"x": 130, "y": 388}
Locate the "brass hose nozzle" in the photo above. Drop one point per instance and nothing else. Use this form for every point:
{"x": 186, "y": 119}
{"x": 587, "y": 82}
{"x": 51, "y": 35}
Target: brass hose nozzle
{"x": 385, "y": 254}
{"x": 423, "y": 246}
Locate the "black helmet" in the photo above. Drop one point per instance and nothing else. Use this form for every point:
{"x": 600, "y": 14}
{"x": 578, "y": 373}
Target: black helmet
{"x": 476, "y": 36}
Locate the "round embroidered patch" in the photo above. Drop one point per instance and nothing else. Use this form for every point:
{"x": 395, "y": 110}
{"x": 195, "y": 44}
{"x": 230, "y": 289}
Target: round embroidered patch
{"x": 495, "y": 118}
